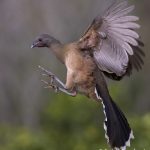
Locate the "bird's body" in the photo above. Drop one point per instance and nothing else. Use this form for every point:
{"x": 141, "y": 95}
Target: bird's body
{"x": 80, "y": 69}
{"x": 110, "y": 47}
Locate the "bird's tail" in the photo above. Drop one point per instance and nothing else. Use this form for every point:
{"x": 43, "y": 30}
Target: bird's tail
{"x": 118, "y": 131}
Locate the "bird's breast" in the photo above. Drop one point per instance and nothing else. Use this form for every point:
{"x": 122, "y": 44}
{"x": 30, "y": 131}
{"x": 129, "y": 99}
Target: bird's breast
{"x": 74, "y": 62}
{"x": 79, "y": 66}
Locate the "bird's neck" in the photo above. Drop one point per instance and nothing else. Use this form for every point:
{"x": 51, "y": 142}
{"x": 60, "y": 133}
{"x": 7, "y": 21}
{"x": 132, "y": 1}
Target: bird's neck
{"x": 57, "y": 49}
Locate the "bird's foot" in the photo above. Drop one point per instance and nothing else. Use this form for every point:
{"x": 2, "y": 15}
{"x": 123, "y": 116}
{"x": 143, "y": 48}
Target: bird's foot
{"x": 54, "y": 81}
{"x": 49, "y": 85}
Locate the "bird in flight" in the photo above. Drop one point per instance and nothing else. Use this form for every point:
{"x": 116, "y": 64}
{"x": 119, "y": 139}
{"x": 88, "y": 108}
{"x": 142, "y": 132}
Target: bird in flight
{"x": 110, "y": 47}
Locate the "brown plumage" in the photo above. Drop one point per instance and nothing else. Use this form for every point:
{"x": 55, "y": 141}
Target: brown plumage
{"x": 110, "y": 46}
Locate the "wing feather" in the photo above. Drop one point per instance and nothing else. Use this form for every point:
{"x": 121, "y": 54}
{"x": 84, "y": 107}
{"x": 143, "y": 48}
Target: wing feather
{"x": 115, "y": 8}
{"x": 120, "y": 13}
{"x": 129, "y": 25}
{"x": 126, "y": 32}
{"x": 128, "y": 39}
{"x": 114, "y": 41}
{"x": 125, "y": 19}
{"x": 110, "y": 57}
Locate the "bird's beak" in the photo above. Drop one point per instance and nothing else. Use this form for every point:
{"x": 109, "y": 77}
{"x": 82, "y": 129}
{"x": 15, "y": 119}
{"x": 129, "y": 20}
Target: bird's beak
{"x": 32, "y": 46}
{"x": 35, "y": 44}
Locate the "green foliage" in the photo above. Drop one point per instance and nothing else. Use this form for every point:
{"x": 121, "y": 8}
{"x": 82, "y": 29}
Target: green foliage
{"x": 70, "y": 124}
{"x": 141, "y": 126}
{"x": 13, "y": 138}
{"x": 73, "y": 122}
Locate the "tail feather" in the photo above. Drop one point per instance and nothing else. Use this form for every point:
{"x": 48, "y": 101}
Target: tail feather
{"x": 118, "y": 131}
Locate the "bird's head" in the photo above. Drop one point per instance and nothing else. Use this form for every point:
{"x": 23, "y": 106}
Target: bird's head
{"x": 43, "y": 40}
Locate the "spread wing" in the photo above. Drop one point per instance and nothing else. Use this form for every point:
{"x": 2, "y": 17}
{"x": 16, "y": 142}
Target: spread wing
{"x": 113, "y": 41}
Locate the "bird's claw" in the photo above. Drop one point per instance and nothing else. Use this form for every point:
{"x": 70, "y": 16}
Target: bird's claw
{"x": 48, "y": 74}
{"x": 54, "y": 82}
{"x": 52, "y": 79}
{"x": 50, "y": 85}
{"x": 45, "y": 72}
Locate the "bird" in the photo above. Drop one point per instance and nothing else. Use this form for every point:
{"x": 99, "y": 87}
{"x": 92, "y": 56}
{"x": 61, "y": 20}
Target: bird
{"x": 110, "y": 47}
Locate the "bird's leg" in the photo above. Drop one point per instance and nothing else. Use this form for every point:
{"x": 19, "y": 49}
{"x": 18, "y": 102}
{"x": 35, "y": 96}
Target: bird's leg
{"x": 53, "y": 80}
{"x": 52, "y": 76}
{"x": 57, "y": 88}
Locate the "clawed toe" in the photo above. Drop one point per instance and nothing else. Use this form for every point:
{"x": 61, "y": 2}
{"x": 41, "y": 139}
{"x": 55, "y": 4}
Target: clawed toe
{"x": 49, "y": 85}
{"x": 55, "y": 83}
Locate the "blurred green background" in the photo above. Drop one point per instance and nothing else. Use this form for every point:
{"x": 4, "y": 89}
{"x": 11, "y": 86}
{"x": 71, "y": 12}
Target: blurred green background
{"x": 33, "y": 118}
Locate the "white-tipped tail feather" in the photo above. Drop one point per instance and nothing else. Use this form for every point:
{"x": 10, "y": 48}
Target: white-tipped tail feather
{"x": 113, "y": 123}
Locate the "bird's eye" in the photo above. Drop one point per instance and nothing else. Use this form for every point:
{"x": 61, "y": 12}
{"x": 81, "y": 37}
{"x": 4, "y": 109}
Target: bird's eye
{"x": 40, "y": 40}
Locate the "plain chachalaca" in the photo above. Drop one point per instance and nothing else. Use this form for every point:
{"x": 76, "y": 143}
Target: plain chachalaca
{"x": 109, "y": 47}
